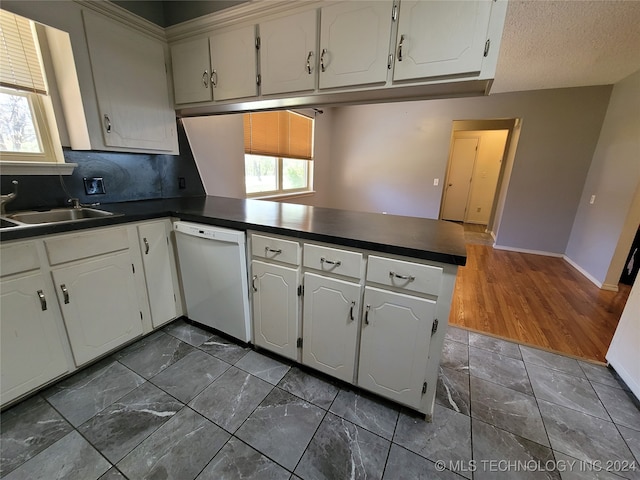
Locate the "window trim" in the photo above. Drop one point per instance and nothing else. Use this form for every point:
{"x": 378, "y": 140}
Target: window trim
{"x": 280, "y": 192}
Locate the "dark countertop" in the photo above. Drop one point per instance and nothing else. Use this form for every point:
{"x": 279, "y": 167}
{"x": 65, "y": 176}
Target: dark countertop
{"x": 422, "y": 238}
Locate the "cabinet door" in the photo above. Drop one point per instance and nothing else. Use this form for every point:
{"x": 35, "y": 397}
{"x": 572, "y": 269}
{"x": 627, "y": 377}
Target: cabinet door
{"x": 354, "y": 43}
{"x": 288, "y": 53}
{"x": 394, "y": 345}
{"x": 233, "y": 64}
{"x": 191, "y": 73}
{"x": 99, "y": 305}
{"x": 32, "y": 349}
{"x": 330, "y": 316}
{"x": 131, "y": 85}
{"x": 158, "y": 272}
{"x": 275, "y": 308}
{"x": 438, "y": 38}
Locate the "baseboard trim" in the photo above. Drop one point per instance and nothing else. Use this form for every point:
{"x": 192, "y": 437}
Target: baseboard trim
{"x": 590, "y": 277}
{"x": 525, "y": 250}
{"x": 626, "y": 376}
{"x": 610, "y": 287}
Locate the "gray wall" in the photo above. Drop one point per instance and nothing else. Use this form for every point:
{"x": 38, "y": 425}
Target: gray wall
{"x": 385, "y": 157}
{"x": 614, "y": 177}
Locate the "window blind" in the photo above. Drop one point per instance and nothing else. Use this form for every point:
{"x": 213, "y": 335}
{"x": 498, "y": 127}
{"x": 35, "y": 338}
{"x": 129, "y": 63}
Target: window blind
{"x": 278, "y": 134}
{"x": 20, "y": 65}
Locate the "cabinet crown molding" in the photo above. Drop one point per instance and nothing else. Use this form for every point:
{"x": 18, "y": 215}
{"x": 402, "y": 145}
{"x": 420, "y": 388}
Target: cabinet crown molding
{"x": 125, "y": 17}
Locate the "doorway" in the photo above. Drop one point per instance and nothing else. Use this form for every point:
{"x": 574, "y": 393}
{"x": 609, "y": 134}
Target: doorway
{"x": 480, "y": 155}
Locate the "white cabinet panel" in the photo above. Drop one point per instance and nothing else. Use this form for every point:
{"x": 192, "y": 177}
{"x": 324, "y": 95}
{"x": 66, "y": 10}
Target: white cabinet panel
{"x": 438, "y": 38}
{"x": 394, "y": 345}
{"x": 354, "y": 43}
{"x": 191, "y": 72}
{"x": 32, "y": 349}
{"x": 288, "y": 53}
{"x": 99, "y": 304}
{"x": 131, "y": 85}
{"x": 275, "y": 308}
{"x": 158, "y": 271}
{"x": 233, "y": 64}
{"x": 331, "y": 311}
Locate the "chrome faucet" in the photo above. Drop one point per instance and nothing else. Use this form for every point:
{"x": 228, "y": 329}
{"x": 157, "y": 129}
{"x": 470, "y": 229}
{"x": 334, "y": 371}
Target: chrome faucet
{"x": 75, "y": 202}
{"x": 4, "y": 199}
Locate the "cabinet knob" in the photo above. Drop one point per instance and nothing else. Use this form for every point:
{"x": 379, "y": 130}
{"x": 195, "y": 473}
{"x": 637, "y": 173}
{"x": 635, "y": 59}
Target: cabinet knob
{"x": 65, "y": 293}
{"x": 309, "y": 69}
{"x": 253, "y": 283}
{"x": 324, "y": 52}
{"x": 146, "y": 246}
{"x": 400, "y": 48}
{"x": 205, "y": 79}
{"x": 214, "y": 78}
{"x": 107, "y": 123}
{"x": 366, "y": 315}
{"x": 353, "y": 305}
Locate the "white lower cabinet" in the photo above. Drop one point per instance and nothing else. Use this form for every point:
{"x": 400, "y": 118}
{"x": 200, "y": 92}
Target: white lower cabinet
{"x": 330, "y": 325}
{"x": 159, "y": 271}
{"x": 275, "y": 307}
{"x": 32, "y": 347}
{"x": 394, "y": 346}
{"x": 99, "y": 304}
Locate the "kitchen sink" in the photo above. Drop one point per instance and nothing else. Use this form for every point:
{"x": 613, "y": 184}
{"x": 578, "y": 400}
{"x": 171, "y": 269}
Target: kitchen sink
{"x": 57, "y": 215}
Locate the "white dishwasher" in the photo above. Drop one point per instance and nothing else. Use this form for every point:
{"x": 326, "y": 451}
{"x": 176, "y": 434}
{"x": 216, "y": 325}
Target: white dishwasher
{"x": 213, "y": 267}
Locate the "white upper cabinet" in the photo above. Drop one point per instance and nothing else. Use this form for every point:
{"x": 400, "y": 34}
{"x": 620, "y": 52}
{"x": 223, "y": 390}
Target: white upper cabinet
{"x": 130, "y": 78}
{"x": 441, "y": 38}
{"x": 354, "y": 43}
{"x": 191, "y": 71}
{"x": 288, "y": 53}
{"x": 234, "y": 64}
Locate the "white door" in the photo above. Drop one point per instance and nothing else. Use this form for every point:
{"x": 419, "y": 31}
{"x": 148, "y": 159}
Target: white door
{"x": 233, "y": 64}
{"x": 32, "y": 350}
{"x": 130, "y": 77}
{"x": 288, "y": 53}
{"x": 99, "y": 305}
{"x": 394, "y": 346}
{"x": 191, "y": 71}
{"x": 330, "y": 316}
{"x": 439, "y": 38}
{"x": 275, "y": 308}
{"x": 354, "y": 43}
{"x": 156, "y": 260}
{"x": 456, "y": 196}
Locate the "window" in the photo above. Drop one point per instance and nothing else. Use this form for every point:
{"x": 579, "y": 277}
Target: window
{"x": 278, "y": 150}
{"x": 27, "y": 128}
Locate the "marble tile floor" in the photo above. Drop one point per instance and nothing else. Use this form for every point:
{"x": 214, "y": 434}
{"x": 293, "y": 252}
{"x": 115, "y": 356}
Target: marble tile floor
{"x": 186, "y": 404}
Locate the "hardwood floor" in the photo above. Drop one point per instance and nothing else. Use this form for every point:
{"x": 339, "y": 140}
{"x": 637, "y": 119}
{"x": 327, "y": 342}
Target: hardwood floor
{"x": 535, "y": 300}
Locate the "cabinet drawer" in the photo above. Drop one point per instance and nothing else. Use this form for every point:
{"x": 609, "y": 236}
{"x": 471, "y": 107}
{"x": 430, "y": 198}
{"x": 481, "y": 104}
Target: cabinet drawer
{"x": 79, "y": 246}
{"x": 278, "y": 249}
{"x": 20, "y": 257}
{"x": 407, "y": 275}
{"x": 333, "y": 260}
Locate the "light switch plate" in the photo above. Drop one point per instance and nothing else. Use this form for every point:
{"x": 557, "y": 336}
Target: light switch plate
{"x": 94, "y": 185}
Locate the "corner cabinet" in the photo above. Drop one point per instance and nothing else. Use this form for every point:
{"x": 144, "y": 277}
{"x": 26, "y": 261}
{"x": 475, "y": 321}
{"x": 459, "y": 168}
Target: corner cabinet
{"x": 438, "y": 38}
{"x": 354, "y": 43}
{"x": 130, "y": 79}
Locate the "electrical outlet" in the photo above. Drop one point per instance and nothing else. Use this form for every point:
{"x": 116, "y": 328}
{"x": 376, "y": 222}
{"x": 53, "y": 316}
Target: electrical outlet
{"x": 94, "y": 186}
{"x": 182, "y": 183}
{"x": 436, "y": 182}
{"x": 592, "y": 200}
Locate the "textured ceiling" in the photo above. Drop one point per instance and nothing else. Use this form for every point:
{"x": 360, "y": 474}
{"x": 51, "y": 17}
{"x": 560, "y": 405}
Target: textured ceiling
{"x": 567, "y": 43}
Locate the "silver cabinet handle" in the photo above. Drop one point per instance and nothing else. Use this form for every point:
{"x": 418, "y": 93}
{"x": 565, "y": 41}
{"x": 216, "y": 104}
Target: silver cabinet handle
{"x": 107, "y": 123}
{"x": 43, "y": 300}
{"x": 214, "y": 78}
{"x": 337, "y": 263}
{"x": 366, "y": 315}
{"x": 353, "y": 305}
{"x": 268, "y": 250}
{"x": 146, "y": 246}
{"x": 205, "y": 79}
{"x": 400, "y": 48}
{"x": 65, "y": 293}
{"x": 411, "y": 278}
{"x": 253, "y": 283}
{"x": 309, "y": 69}
{"x": 322, "y": 67}
{"x": 390, "y": 61}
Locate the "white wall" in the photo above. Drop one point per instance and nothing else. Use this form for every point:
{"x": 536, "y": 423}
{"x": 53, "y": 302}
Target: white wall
{"x": 385, "y": 157}
{"x": 613, "y": 178}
